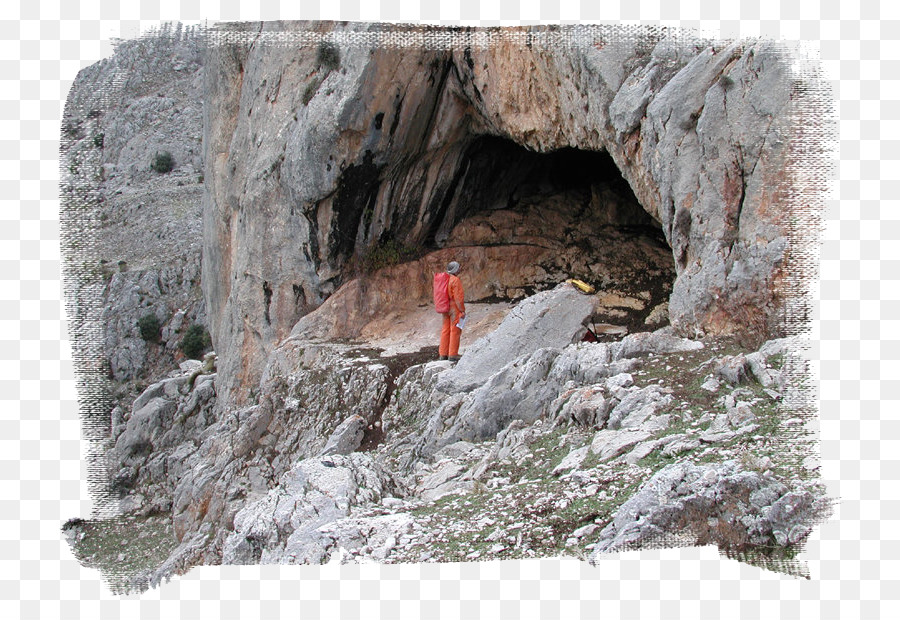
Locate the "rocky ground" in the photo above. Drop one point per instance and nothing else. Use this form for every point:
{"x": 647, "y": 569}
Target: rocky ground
{"x": 651, "y": 439}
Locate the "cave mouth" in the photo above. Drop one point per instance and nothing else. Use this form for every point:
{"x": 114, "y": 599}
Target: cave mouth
{"x": 564, "y": 214}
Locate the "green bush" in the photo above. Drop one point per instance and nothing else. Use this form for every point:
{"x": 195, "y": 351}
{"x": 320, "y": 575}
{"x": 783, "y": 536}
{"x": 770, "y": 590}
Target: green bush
{"x": 329, "y": 56}
{"x": 149, "y": 326}
{"x": 98, "y": 140}
{"x": 163, "y": 162}
{"x": 195, "y": 341}
{"x": 386, "y": 254}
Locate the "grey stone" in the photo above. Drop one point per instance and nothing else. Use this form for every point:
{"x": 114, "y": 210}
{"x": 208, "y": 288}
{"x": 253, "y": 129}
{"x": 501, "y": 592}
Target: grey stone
{"x": 658, "y": 342}
{"x": 608, "y": 444}
{"x": 572, "y": 460}
{"x": 552, "y": 319}
{"x": 347, "y": 437}
{"x": 284, "y": 525}
{"x": 634, "y": 410}
{"x": 711, "y": 384}
{"x": 684, "y": 499}
{"x": 734, "y": 369}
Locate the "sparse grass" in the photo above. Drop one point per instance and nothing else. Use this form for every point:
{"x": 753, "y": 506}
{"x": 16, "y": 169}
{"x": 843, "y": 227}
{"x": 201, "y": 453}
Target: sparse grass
{"x": 122, "y": 548}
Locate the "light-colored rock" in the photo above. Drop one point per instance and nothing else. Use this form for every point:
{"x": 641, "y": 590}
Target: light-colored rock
{"x": 695, "y": 500}
{"x": 553, "y": 319}
{"x": 337, "y": 163}
{"x": 711, "y": 384}
{"x": 572, "y": 460}
{"x": 634, "y": 410}
{"x": 285, "y": 525}
{"x": 658, "y": 342}
{"x": 346, "y": 437}
{"x": 608, "y": 444}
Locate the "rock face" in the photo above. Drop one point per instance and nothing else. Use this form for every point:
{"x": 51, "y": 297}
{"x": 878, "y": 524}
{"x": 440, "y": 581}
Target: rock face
{"x": 318, "y": 155}
{"x": 155, "y": 442}
{"x": 553, "y": 319}
{"x": 284, "y": 526}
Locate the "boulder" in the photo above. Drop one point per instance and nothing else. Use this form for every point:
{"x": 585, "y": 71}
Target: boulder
{"x": 550, "y": 320}
{"x": 634, "y": 410}
{"x": 284, "y": 525}
{"x": 346, "y": 437}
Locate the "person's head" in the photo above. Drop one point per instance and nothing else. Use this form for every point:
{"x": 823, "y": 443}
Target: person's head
{"x": 453, "y": 268}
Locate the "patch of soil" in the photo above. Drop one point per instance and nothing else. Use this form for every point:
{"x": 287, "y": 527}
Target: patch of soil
{"x": 397, "y": 365}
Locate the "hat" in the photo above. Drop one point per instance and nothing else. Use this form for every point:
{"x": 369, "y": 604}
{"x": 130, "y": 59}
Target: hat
{"x": 453, "y": 267}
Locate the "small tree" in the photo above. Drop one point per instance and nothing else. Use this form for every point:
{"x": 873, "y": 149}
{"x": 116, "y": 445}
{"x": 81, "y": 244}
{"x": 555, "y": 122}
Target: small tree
{"x": 195, "y": 341}
{"x": 163, "y": 162}
{"x": 149, "y": 326}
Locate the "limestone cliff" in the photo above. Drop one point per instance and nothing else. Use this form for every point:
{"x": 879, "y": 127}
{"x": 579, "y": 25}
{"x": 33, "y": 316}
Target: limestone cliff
{"x": 325, "y": 142}
{"x": 341, "y": 165}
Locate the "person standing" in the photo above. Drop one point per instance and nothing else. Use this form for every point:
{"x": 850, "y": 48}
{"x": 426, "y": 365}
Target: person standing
{"x": 456, "y": 312}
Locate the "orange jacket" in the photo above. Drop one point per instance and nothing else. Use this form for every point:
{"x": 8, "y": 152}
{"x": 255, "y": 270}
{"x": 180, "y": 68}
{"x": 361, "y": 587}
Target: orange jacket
{"x": 457, "y": 295}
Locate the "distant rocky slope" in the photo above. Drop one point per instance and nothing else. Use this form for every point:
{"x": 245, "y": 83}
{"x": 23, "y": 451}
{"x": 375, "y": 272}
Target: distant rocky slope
{"x": 133, "y": 234}
{"x": 338, "y": 166}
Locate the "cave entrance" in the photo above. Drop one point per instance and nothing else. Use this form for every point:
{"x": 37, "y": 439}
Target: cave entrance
{"x": 559, "y": 215}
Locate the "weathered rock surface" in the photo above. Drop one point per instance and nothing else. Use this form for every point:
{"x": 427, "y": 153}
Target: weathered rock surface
{"x": 552, "y": 319}
{"x": 721, "y": 504}
{"x": 347, "y": 437}
{"x": 155, "y": 442}
{"x": 133, "y": 236}
{"x": 284, "y": 526}
{"x": 337, "y": 178}
{"x": 317, "y": 155}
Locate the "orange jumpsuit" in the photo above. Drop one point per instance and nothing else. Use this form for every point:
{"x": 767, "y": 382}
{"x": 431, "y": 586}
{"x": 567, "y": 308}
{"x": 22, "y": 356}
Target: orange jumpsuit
{"x": 450, "y": 332}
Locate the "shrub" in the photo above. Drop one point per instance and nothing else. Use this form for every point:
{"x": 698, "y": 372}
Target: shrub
{"x": 386, "y": 254}
{"x": 98, "y": 140}
{"x": 163, "y": 162}
{"x": 149, "y": 326}
{"x": 329, "y": 56}
{"x": 195, "y": 340}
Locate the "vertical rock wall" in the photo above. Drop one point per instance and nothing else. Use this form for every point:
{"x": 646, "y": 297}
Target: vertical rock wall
{"x": 318, "y": 150}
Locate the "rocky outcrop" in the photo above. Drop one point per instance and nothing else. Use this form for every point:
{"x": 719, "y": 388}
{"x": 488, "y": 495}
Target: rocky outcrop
{"x": 540, "y": 458}
{"x": 168, "y": 293}
{"x": 553, "y": 319}
{"x": 156, "y": 440}
{"x": 724, "y": 504}
{"x": 286, "y": 525}
{"x": 320, "y": 154}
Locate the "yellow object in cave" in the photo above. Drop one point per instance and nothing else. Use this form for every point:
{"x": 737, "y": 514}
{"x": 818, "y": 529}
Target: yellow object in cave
{"x": 584, "y": 287}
